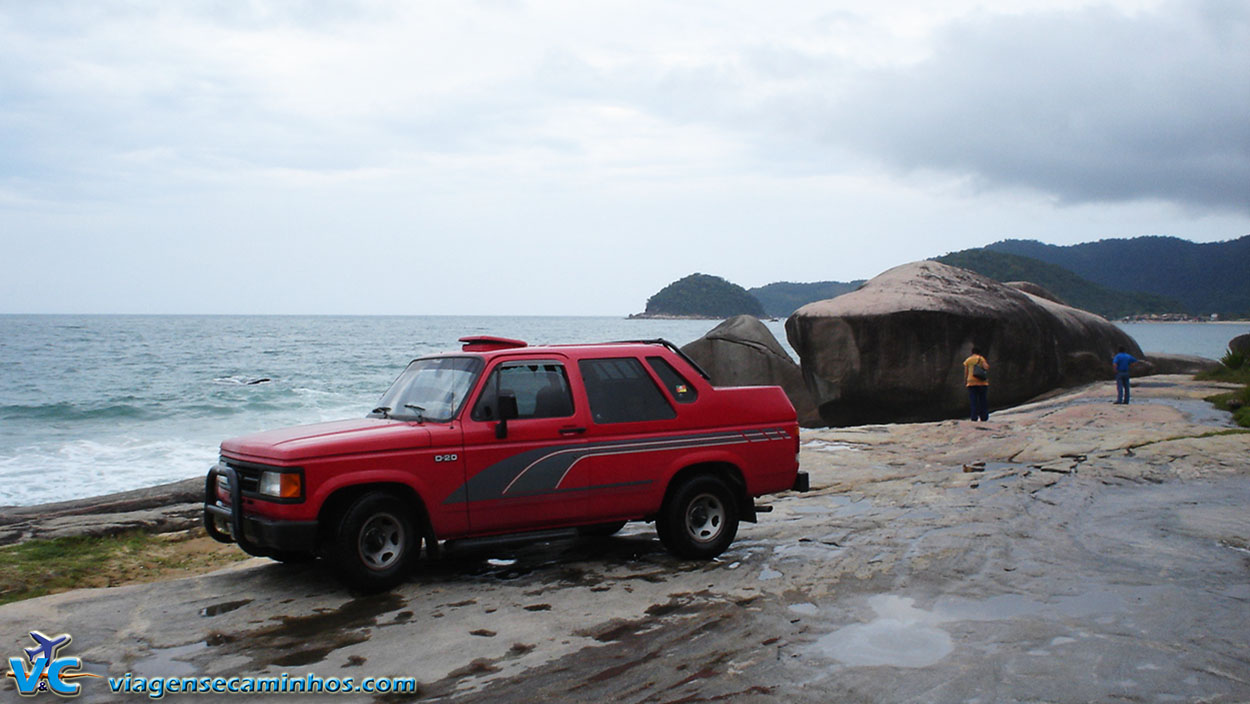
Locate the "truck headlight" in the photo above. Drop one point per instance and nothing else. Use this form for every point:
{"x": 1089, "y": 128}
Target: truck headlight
{"x": 281, "y": 485}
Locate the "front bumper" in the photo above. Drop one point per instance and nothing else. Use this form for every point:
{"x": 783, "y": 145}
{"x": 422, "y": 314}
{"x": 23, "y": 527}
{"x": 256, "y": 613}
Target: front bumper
{"x": 255, "y": 534}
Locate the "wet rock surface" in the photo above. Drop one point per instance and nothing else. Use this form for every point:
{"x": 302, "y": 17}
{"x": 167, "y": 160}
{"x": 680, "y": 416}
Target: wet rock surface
{"x": 1093, "y": 552}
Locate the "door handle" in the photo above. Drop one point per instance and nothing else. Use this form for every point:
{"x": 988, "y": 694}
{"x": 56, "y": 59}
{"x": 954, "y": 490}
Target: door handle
{"x": 572, "y": 431}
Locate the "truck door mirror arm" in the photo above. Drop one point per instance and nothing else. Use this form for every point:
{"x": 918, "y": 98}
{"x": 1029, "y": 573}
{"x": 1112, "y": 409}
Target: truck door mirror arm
{"x": 507, "y": 411}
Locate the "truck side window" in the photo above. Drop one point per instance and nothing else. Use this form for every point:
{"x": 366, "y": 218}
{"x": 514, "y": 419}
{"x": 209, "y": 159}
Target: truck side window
{"x": 541, "y": 390}
{"x": 621, "y": 391}
{"x": 676, "y": 383}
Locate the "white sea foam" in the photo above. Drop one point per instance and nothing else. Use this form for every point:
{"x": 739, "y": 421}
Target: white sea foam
{"x": 82, "y": 468}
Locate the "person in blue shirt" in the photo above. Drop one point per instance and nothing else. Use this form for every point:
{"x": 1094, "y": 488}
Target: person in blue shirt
{"x": 1121, "y": 362}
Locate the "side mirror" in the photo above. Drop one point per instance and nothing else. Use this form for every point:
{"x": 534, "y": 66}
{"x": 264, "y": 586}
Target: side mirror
{"x": 507, "y": 407}
{"x": 507, "y": 411}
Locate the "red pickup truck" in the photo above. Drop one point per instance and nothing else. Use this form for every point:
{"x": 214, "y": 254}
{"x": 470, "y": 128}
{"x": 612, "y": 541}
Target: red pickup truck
{"x": 503, "y": 438}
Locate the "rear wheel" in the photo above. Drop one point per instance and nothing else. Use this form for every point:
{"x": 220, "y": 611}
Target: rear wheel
{"x": 700, "y": 518}
{"x": 375, "y": 543}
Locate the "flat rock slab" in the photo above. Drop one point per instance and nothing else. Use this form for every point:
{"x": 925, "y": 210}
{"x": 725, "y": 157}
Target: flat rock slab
{"x": 163, "y": 508}
{"x": 1098, "y": 553}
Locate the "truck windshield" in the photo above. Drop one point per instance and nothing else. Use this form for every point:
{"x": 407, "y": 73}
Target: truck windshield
{"x": 430, "y": 389}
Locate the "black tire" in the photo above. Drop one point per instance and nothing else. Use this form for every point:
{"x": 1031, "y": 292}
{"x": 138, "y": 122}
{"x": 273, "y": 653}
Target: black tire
{"x": 601, "y": 530}
{"x": 699, "y": 519}
{"x": 375, "y": 543}
{"x": 253, "y": 551}
{"x": 289, "y": 557}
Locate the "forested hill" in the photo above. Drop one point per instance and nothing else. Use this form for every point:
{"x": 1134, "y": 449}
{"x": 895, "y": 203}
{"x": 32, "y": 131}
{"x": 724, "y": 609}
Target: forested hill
{"x": 1204, "y": 277}
{"x": 703, "y": 296}
{"x": 782, "y": 298}
{"x": 1072, "y": 289}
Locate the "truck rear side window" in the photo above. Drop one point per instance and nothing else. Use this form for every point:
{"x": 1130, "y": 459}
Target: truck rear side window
{"x": 676, "y": 383}
{"x": 621, "y": 391}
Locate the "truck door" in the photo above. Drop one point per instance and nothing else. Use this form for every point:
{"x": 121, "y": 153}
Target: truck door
{"x": 529, "y": 478}
{"x": 634, "y": 434}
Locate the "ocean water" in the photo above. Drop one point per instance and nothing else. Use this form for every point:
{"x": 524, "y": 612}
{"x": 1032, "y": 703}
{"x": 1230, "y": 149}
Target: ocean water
{"x": 95, "y": 404}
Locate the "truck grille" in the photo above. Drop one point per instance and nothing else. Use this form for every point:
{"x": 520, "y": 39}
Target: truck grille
{"x": 248, "y": 474}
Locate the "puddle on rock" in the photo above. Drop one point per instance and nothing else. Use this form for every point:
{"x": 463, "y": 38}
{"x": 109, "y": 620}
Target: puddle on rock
{"x": 769, "y": 573}
{"x": 170, "y": 662}
{"x": 1197, "y": 412}
{"x": 805, "y": 609}
{"x": 224, "y": 607}
{"x": 900, "y": 636}
{"x": 905, "y": 636}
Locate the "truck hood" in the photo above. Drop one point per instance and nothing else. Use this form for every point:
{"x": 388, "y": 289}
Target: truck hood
{"x": 304, "y": 442}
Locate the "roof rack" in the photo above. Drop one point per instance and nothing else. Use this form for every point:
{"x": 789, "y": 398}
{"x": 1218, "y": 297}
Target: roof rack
{"x": 672, "y": 347}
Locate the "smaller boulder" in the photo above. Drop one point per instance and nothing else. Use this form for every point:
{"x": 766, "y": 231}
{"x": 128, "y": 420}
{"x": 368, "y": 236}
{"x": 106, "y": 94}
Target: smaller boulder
{"x": 741, "y": 351}
{"x": 1240, "y": 344}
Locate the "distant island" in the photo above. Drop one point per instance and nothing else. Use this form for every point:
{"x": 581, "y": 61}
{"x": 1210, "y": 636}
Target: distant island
{"x": 1146, "y": 278}
{"x": 701, "y": 296}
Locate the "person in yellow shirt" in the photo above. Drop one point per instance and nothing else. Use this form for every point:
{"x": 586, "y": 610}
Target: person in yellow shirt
{"x": 976, "y": 376}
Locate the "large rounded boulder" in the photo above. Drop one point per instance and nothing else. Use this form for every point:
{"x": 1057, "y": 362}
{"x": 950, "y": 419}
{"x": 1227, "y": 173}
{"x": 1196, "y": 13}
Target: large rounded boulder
{"x": 742, "y": 351}
{"x": 893, "y": 351}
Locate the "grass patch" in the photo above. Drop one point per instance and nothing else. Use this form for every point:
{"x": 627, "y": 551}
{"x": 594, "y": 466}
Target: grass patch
{"x": 1232, "y": 370}
{"x": 39, "y": 567}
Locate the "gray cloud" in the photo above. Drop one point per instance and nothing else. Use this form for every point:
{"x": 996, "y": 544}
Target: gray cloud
{"x": 1089, "y": 106}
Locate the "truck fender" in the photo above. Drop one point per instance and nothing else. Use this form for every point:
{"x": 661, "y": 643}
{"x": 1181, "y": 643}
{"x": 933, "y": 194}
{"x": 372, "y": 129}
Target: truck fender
{"x": 713, "y": 461}
{"x": 359, "y": 481}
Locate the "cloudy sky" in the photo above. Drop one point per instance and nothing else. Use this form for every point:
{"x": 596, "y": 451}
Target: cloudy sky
{"x": 533, "y": 157}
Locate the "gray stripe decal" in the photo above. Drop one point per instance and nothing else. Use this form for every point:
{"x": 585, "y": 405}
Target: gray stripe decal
{"x": 541, "y": 470}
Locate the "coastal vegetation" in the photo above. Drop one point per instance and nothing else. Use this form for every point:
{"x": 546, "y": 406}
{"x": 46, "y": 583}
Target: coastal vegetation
{"x": 704, "y": 296}
{"x": 1234, "y": 368}
{"x": 38, "y": 567}
{"x": 1205, "y": 278}
{"x": 1072, "y": 289}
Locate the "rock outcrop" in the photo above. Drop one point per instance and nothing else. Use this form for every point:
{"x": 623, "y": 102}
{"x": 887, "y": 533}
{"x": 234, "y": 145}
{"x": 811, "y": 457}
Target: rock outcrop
{"x": 742, "y": 352}
{"x": 893, "y": 351}
{"x": 1240, "y": 344}
{"x": 1161, "y": 363}
{"x": 1034, "y": 290}
{"x": 163, "y": 508}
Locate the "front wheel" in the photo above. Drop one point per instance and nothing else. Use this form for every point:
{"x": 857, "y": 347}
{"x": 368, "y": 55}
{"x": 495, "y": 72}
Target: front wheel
{"x": 375, "y": 543}
{"x": 289, "y": 557}
{"x": 700, "y": 519}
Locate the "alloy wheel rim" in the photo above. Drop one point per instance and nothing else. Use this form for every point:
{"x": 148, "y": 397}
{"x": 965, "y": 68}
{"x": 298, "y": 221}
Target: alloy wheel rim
{"x": 381, "y": 541}
{"x": 705, "y": 518}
